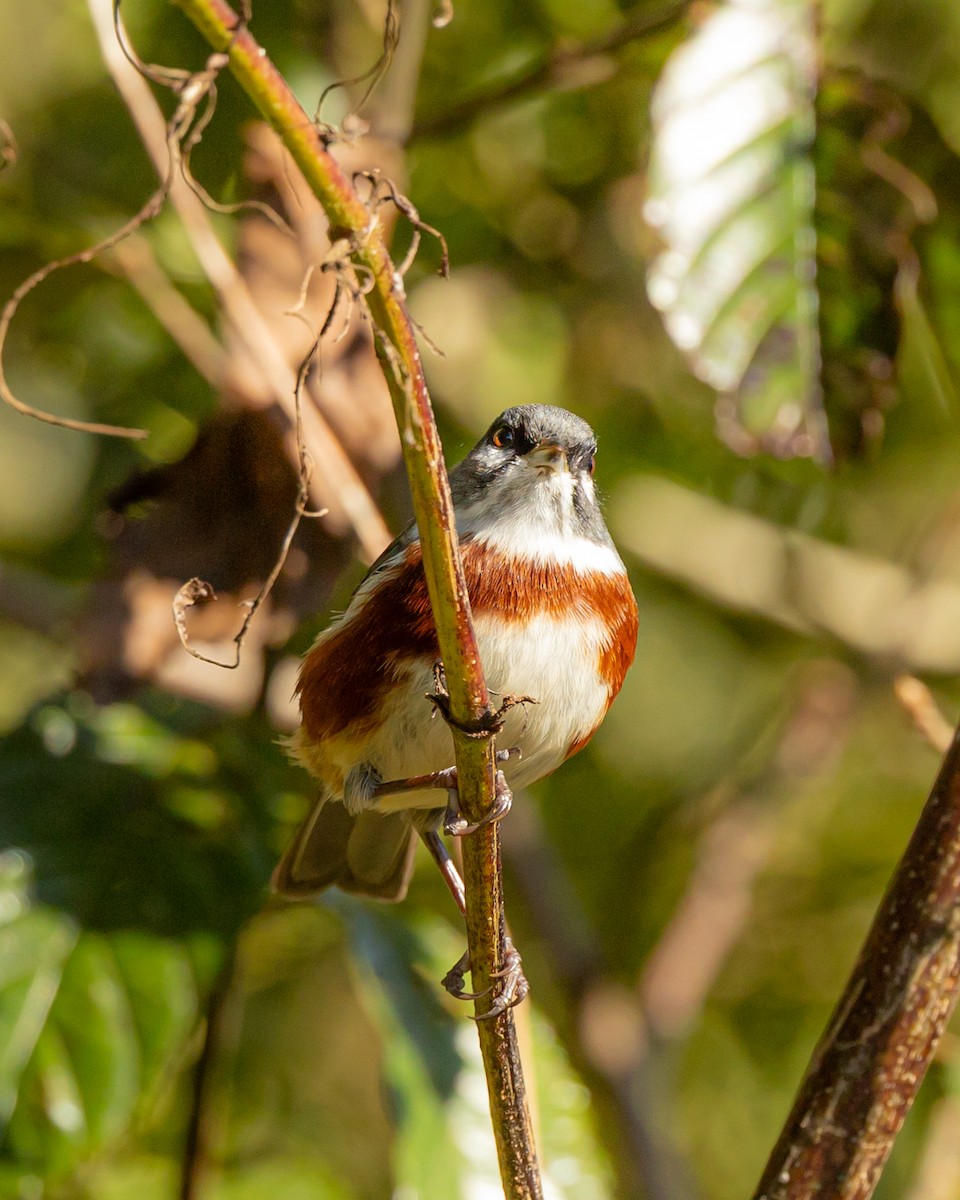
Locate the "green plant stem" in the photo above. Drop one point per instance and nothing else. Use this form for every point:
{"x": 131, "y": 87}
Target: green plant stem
{"x": 350, "y": 219}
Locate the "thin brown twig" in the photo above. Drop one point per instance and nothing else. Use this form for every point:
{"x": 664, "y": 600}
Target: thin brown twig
{"x": 390, "y": 108}
{"x": 237, "y": 207}
{"x": 197, "y": 591}
{"x": 146, "y": 213}
{"x": 189, "y": 144}
{"x": 918, "y": 703}
{"x": 385, "y": 191}
{"x": 372, "y": 76}
{"x": 196, "y": 101}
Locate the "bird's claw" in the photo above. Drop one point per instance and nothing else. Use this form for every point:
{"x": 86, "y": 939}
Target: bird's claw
{"x": 487, "y": 723}
{"x": 454, "y": 980}
{"x": 513, "y": 983}
{"x": 454, "y": 822}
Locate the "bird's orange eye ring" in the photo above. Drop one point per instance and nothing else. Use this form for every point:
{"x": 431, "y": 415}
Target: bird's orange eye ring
{"x": 503, "y": 437}
{"x": 592, "y": 464}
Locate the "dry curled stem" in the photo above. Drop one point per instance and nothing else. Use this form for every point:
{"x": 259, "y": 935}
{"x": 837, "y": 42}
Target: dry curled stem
{"x": 371, "y": 77}
{"x": 196, "y": 103}
{"x": 383, "y": 191}
{"x": 198, "y": 591}
{"x": 262, "y": 360}
{"x": 146, "y": 213}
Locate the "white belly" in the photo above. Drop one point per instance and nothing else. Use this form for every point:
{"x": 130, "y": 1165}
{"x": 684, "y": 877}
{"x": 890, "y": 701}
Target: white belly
{"x": 555, "y": 661}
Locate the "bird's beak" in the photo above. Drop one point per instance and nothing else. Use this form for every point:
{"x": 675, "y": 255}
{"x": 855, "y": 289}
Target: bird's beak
{"x": 548, "y": 455}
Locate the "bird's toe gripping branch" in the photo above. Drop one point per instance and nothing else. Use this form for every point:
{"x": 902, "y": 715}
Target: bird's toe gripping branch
{"x": 488, "y": 724}
{"x": 513, "y": 983}
{"x": 454, "y": 822}
{"x": 509, "y": 982}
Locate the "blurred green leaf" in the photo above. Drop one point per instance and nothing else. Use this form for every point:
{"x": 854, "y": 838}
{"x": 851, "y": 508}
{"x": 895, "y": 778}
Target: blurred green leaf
{"x": 91, "y": 1025}
{"x": 422, "y": 1053}
{"x": 109, "y": 944}
{"x": 157, "y": 871}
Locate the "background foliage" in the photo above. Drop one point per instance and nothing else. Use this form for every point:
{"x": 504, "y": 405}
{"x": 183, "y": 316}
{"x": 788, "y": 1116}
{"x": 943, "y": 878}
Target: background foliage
{"x": 689, "y": 893}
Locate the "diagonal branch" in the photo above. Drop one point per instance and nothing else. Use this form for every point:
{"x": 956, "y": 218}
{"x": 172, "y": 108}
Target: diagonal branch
{"x": 563, "y": 65}
{"x": 351, "y": 220}
{"x": 339, "y": 488}
{"x": 867, "y": 1069}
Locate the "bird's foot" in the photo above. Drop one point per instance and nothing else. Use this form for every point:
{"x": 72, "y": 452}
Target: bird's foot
{"x": 446, "y": 780}
{"x": 512, "y": 989}
{"x": 487, "y": 724}
{"x": 455, "y": 823}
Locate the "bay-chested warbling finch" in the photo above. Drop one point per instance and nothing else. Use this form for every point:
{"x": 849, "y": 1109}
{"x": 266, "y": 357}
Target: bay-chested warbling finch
{"x": 556, "y": 623}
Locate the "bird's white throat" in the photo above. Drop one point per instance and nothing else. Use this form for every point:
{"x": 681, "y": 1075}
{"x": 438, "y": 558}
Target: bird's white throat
{"x": 531, "y": 514}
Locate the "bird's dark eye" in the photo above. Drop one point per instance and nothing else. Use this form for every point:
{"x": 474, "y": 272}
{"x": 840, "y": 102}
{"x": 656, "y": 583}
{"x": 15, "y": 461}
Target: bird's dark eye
{"x": 592, "y": 463}
{"x": 504, "y": 437}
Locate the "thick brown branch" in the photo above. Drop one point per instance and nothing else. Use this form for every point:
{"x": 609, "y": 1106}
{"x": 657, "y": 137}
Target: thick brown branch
{"x": 869, "y": 1064}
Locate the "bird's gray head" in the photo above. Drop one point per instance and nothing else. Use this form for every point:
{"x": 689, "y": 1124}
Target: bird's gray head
{"x": 533, "y": 465}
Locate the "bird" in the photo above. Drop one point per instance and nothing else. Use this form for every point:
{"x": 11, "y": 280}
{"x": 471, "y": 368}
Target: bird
{"x": 556, "y": 624}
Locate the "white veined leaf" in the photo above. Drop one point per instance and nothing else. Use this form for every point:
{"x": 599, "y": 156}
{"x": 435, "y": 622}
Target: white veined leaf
{"x": 731, "y": 194}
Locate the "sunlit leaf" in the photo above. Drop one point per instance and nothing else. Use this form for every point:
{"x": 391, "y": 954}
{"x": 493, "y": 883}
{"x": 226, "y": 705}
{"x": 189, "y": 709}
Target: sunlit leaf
{"x": 423, "y": 1061}
{"x": 731, "y": 192}
{"x": 433, "y": 1067}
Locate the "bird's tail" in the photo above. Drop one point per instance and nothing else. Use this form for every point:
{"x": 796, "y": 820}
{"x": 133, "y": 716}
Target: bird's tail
{"x": 371, "y": 853}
